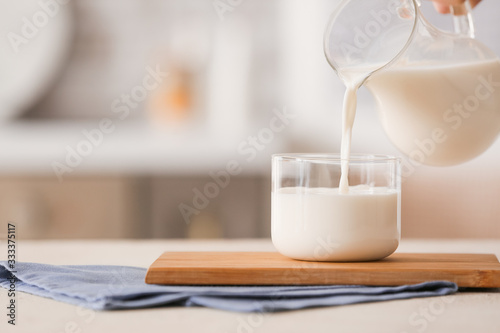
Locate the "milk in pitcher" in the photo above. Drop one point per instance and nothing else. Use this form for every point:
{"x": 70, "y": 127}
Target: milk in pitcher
{"x": 439, "y": 115}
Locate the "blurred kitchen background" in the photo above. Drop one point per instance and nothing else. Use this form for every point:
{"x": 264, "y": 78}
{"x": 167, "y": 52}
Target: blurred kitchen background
{"x": 97, "y": 142}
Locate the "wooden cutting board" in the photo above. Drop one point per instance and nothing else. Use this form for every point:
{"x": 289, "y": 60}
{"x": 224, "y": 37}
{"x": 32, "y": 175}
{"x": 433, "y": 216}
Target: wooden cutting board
{"x": 271, "y": 268}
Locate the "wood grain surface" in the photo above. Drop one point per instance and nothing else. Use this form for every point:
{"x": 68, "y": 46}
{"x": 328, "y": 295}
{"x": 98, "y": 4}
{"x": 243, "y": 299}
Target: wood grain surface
{"x": 272, "y": 268}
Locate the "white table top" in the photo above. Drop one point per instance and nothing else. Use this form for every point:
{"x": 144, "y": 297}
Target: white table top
{"x": 463, "y": 312}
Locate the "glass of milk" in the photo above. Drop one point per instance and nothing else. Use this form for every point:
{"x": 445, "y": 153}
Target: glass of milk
{"x": 313, "y": 220}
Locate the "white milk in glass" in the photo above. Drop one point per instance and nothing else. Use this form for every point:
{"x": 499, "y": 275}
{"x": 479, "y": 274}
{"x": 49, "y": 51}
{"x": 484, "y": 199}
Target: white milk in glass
{"x": 322, "y": 224}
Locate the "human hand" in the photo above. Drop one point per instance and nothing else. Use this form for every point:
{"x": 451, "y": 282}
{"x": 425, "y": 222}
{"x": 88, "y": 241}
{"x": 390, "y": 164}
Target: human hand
{"x": 443, "y": 6}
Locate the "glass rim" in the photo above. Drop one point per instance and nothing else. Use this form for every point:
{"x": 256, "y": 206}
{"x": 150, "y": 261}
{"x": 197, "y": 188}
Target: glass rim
{"x": 335, "y": 157}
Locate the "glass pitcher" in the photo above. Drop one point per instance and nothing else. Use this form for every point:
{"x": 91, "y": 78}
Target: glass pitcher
{"x": 438, "y": 93}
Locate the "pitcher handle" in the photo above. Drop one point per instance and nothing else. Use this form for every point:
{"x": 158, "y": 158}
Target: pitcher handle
{"x": 462, "y": 19}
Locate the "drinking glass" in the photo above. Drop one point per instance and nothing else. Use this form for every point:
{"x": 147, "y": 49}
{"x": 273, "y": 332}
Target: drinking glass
{"x": 312, "y": 220}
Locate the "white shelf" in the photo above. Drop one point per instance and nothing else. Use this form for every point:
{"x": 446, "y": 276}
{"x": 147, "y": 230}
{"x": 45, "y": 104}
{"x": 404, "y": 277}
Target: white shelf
{"x": 31, "y": 147}
{"x": 134, "y": 147}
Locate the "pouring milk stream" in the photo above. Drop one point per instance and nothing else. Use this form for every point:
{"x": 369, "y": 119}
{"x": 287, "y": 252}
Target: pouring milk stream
{"x": 438, "y": 93}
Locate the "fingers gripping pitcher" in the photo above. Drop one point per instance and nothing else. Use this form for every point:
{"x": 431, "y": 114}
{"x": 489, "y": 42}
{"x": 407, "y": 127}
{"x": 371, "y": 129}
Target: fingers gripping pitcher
{"x": 438, "y": 93}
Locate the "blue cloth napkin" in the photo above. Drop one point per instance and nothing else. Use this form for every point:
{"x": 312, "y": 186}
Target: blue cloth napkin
{"x": 120, "y": 287}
